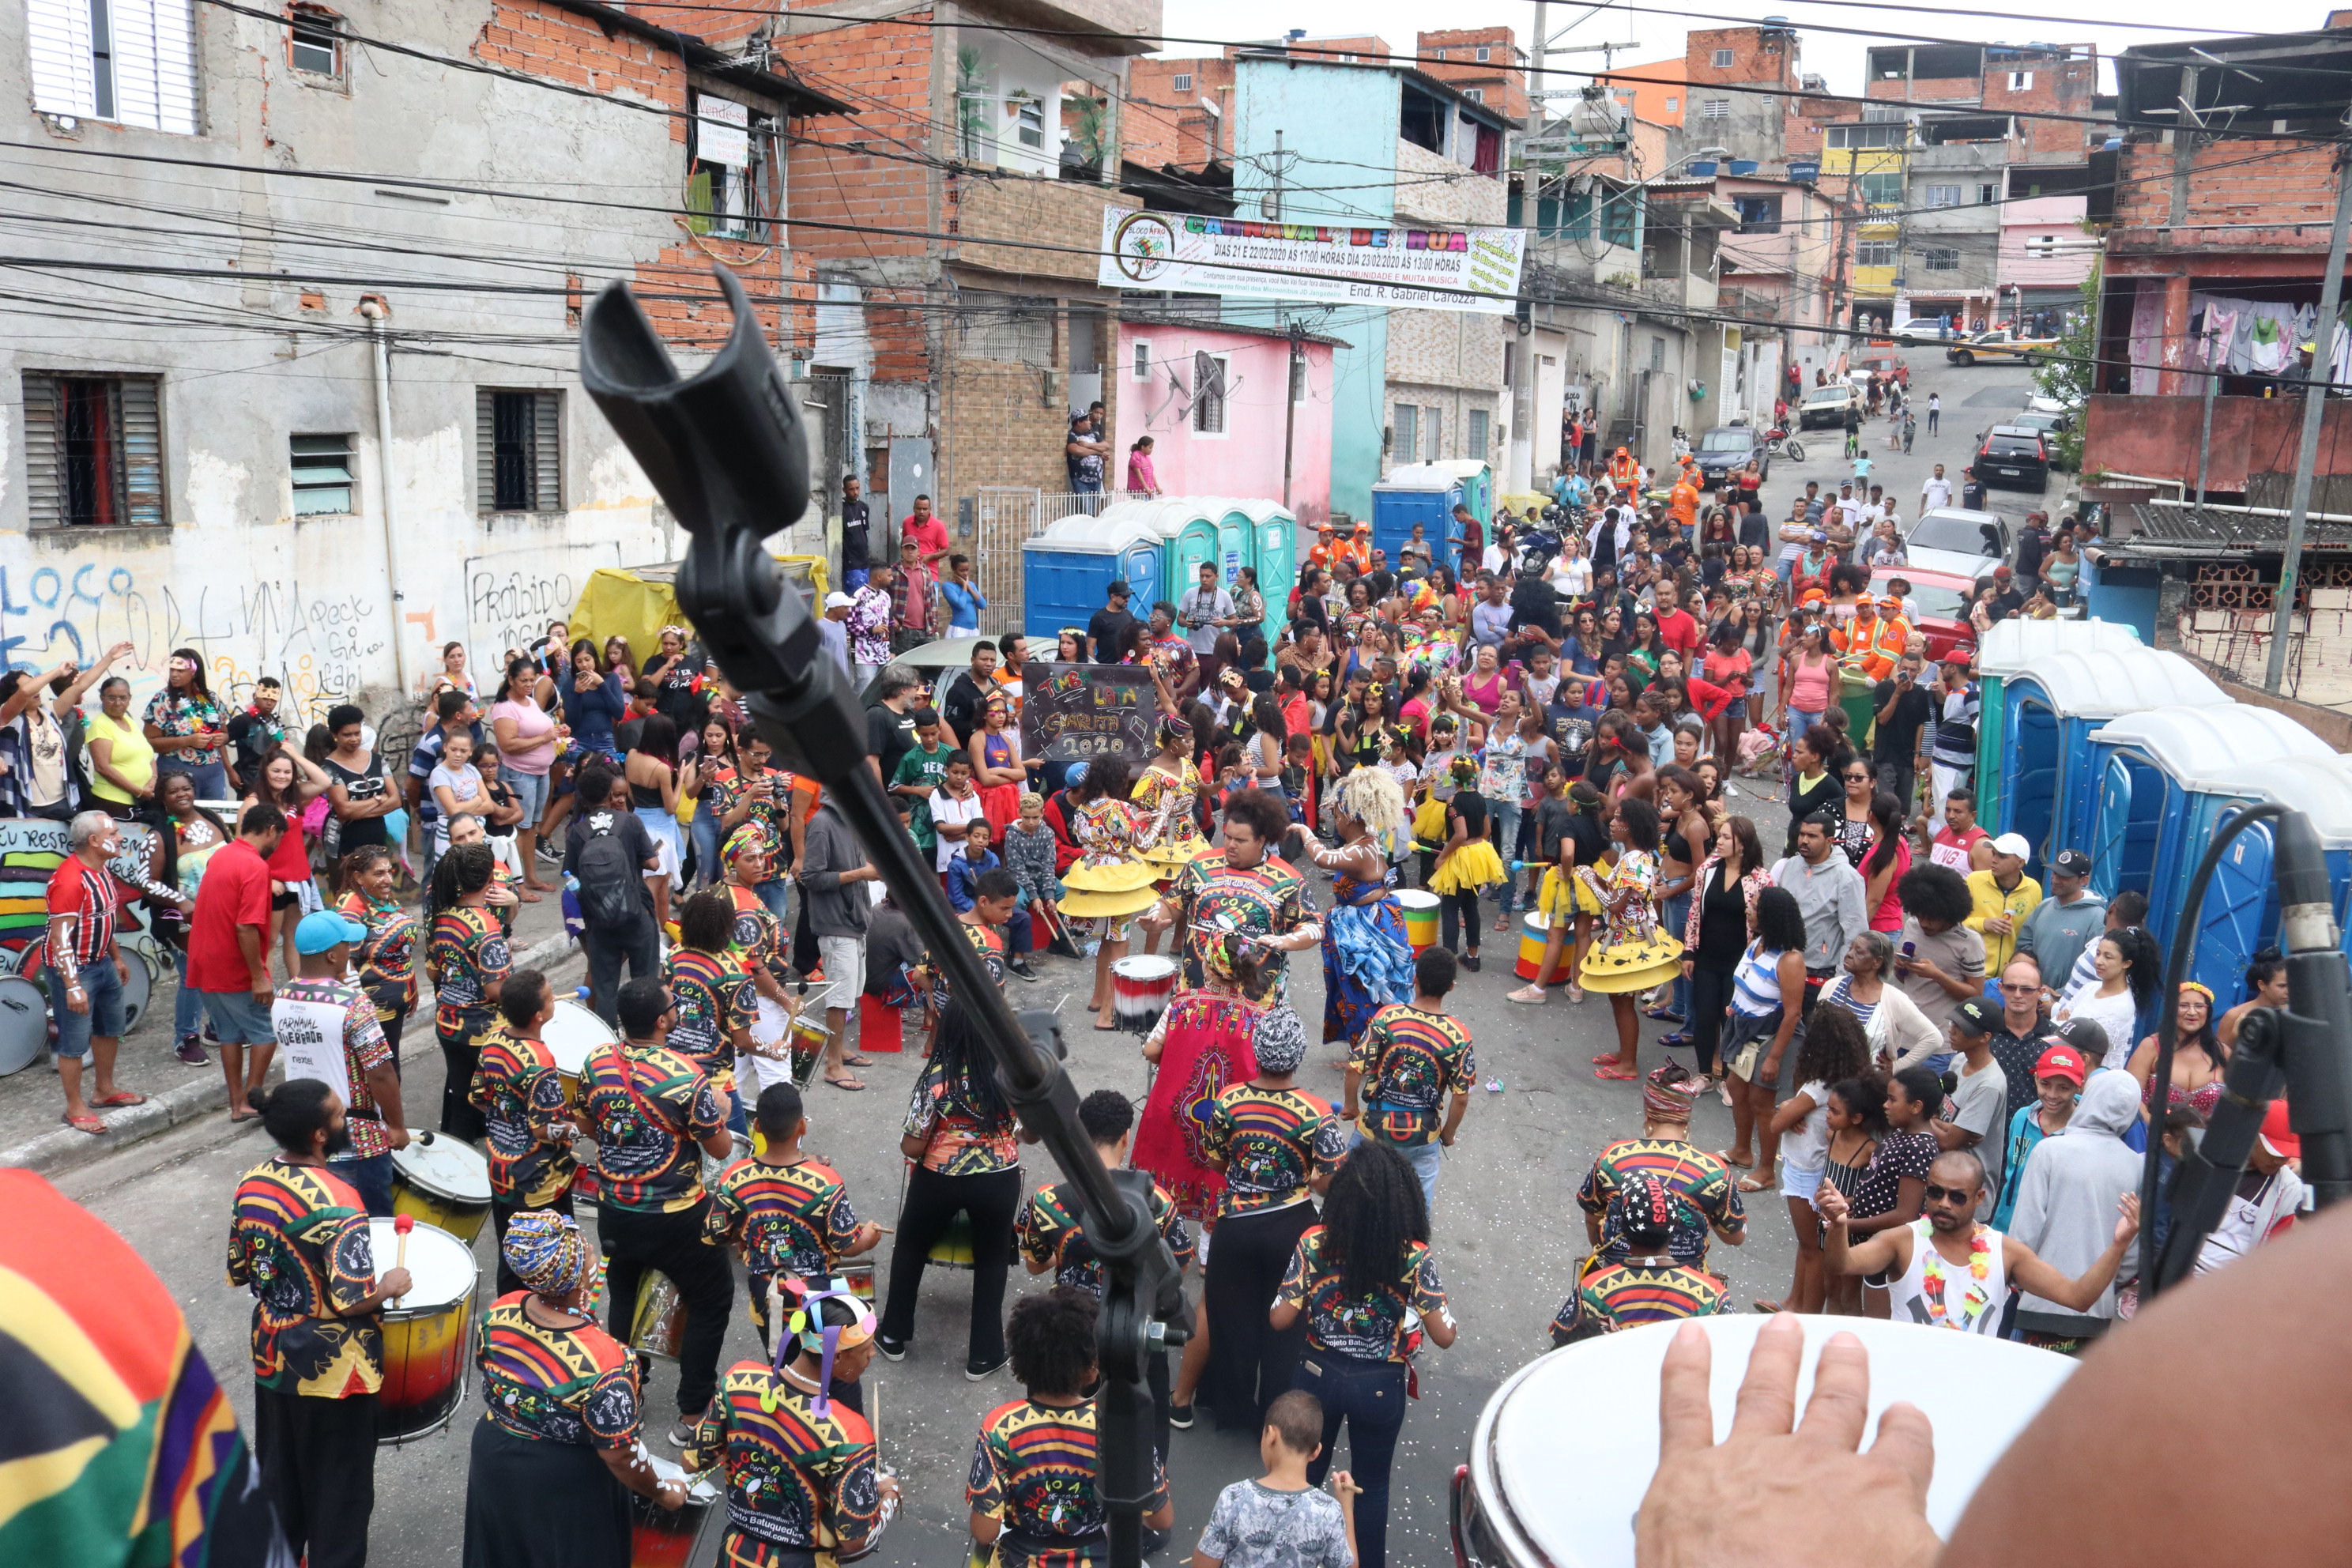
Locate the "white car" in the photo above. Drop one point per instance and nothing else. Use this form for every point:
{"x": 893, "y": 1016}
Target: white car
{"x": 2037, "y": 403}
{"x": 1956, "y": 539}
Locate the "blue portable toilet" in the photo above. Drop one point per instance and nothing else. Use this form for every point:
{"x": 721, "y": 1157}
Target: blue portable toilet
{"x": 2007, "y": 648}
{"x": 2050, "y": 705}
{"x": 2147, "y": 772}
{"x": 1426, "y": 493}
{"x": 1067, "y": 570}
{"x": 1276, "y": 563}
{"x": 2239, "y": 915}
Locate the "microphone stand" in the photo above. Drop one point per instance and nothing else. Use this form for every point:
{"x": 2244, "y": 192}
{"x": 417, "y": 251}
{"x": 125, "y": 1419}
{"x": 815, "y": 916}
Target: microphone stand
{"x": 724, "y": 450}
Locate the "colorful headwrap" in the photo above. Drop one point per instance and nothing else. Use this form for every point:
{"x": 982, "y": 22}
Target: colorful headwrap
{"x": 546, "y": 1251}
{"x": 1279, "y": 1041}
{"x": 1669, "y": 1092}
{"x": 1173, "y": 728}
{"x": 799, "y": 1305}
{"x": 751, "y": 839}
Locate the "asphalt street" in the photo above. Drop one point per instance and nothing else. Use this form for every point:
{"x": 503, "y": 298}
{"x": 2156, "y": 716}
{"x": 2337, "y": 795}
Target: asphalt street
{"x": 1507, "y": 1231}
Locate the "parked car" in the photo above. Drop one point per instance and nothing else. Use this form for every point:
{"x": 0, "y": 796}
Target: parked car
{"x": 1913, "y": 331}
{"x": 1955, "y": 539}
{"x": 2047, "y": 423}
{"x": 1727, "y": 448}
{"x": 2037, "y": 403}
{"x": 1827, "y": 404}
{"x": 1890, "y": 367}
{"x": 2001, "y": 344}
{"x": 2017, "y": 456}
{"x": 1942, "y": 599}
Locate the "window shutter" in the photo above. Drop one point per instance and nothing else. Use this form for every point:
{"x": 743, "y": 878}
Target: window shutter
{"x": 142, "y": 451}
{"x": 56, "y": 40}
{"x": 485, "y": 450}
{"x": 547, "y": 452}
{"x": 44, "y": 453}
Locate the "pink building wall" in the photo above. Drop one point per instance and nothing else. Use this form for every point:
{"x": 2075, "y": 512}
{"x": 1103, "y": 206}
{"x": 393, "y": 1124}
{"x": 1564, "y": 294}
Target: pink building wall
{"x": 1246, "y": 460}
{"x": 2021, "y": 221}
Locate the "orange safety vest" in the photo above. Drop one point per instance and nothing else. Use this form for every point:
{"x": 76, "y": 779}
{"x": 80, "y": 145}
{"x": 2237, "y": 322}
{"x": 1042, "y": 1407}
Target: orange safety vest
{"x": 1861, "y": 642}
{"x": 1894, "y": 633}
{"x": 1622, "y": 470}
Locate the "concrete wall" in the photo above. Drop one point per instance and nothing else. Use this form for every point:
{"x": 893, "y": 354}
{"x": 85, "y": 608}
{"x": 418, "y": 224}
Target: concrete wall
{"x": 1247, "y": 460}
{"x": 246, "y": 361}
{"x": 2031, "y": 219}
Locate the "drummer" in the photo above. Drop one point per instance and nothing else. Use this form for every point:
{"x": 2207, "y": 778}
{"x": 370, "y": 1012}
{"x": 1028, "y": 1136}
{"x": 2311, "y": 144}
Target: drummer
{"x": 1648, "y": 1286}
{"x": 299, "y": 1241}
{"x": 1250, "y": 889}
{"x": 787, "y": 1215}
{"x": 716, "y": 999}
{"x": 317, "y": 1004}
{"x": 519, "y": 1089}
{"x": 557, "y": 1452}
{"x": 748, "y": 856}
{"x": 1706, "y": 1199}
{"x": 802, "y": 1470}
{"x": 653, "y": 1117}
{"x": 370, "y": 880}
{"x": 470, "y": 961}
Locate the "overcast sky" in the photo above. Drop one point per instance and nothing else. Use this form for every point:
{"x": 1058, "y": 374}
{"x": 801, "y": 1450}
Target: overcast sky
{"x": 1837, "y": 56}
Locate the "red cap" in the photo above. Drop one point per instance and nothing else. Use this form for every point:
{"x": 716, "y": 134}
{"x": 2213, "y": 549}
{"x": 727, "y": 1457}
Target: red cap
{"x": 2060, "y": 1061}
{"x": 2277, "y": 1136}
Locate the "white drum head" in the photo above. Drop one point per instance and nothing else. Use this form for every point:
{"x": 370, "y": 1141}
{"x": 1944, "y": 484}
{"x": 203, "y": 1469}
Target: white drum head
{"x": 24, "y": 1024}
{"x": 441, "y": 1268}
{"x": 1572, "y": 1485}
{"x": 1143, "y": 967}
{"x": 573, "y": 1033}
{"x": 444, "y": 1168}
{"x": 1415, "y": 899}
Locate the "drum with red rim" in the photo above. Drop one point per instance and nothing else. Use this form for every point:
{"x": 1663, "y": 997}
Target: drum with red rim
{"x": 1140, "y": 985}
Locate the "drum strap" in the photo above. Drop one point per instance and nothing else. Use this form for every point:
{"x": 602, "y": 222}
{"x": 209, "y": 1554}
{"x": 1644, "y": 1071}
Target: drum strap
{"x": 644, "y": 1103}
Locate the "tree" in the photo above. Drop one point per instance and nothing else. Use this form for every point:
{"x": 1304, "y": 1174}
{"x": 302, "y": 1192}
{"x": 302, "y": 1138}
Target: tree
{"x": 2072, "y": 373}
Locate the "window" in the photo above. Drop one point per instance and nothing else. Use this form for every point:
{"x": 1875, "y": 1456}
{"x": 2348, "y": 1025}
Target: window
{"x": 1873, "y": 135}
{"x": 1988, "y": 195}
{"x": 1716, "y": 109}
{"x": 1759, "y": 215}
{"x": 518, "y": 446}
{"x": 1432, "y": 420}
{"x": 322, "y": 474}
{"x": 1657, "y": 353}
{"x": 1441, "y": 54}
{"x": 1941, "y": 196}
{"x": 728, "y": 181}
{"x": 1475, "y": 94}
{"x": 1183, "y": 81}
{"x": 128, "y": 60}
{"x": 93, "y": 451}
{"x": 1723, "y": 59}
{"x": 1028, "y": 116}
{"x": 1143, "y": 362}
{"x": 2018, "y": 81}
{"x": 314, "y": 43}
{"x": 1883, "y": 189}
{"x": 1407, "y": 446}
{"x": 1208, "y": 394}
{"x": 1940, "y": 259}
{"x": 1478, "y": 417}
{"x": 1673, "y": 104}
{"x": 1873, "y": 253}
{"x": 1485, "y": 52}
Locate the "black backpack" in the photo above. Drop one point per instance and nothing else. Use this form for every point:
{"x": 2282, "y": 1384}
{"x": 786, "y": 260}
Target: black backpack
{"x": 609, "y": 875}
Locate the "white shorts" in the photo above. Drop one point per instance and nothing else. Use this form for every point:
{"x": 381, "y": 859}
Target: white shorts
{"x": 1800, "y": 1183}
{"x": 843, "y": 958}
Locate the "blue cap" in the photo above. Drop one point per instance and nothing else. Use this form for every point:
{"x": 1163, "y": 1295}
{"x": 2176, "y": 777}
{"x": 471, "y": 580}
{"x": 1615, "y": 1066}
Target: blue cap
{"x": 322, "y": 928}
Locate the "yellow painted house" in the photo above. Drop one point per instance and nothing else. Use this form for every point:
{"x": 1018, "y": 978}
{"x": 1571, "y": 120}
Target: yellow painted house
{"x": 1867, "y": 162}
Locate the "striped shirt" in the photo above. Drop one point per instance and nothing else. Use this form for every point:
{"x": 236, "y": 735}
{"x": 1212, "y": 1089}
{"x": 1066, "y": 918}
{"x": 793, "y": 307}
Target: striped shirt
{"x": 1275, "y": 1142}
{"x": 1623, "y": 1295}
{"x": 1052, "y": 1231}
{"x": 1755, "y": 983}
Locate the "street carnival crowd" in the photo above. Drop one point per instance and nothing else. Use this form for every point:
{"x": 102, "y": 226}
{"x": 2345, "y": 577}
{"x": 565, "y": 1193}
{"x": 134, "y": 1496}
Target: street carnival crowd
{"x": 1942, "y": 1067}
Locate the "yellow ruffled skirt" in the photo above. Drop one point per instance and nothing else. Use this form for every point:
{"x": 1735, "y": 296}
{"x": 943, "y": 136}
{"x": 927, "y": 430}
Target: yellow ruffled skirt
{"x": 1120, "y": 876}
{"x": 1475, "y": 865}
{"x": 1562, "y": 898}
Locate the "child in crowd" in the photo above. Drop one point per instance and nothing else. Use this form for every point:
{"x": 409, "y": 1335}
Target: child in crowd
{"x": 1029, "y": 854}
{"x": 1280, "y": 1521}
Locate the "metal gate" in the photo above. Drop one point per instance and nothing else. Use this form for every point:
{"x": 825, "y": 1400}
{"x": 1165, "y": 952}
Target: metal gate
{"x": 994, "y": 522}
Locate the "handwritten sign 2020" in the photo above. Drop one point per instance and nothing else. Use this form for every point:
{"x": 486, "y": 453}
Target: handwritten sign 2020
{"x": 512, "y": 595}
{"x": 1071, "y": 712}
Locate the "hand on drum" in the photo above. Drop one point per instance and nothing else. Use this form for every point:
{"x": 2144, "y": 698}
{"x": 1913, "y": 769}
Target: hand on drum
{"x": 671, "y": 1494}
{"x": 396, "y": 1136}
{"x": 393, "y": 1283}
{"x": 1757, "y": 1496}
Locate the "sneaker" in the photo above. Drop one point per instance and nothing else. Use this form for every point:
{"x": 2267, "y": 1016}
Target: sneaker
{"x": 1021, "y": 967}
{"x": 1470, "y": 962}
{"x": 981, "y": 1372}
{"x": 892, "y": 1350}
{"x": 1533, "y": 995}
{"x": 682, "y": 1433}
{"x": 1179, "y": 1417}
{"x": 190, "y": 1050}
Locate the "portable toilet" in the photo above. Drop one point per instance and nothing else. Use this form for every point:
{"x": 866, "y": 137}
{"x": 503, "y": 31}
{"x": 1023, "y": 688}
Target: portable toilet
{"x": 1236, "y": 541}
{"x": 2051, "y": 706}
{"x": 2005, "y": 650}
{"x": 1187, "y": 529}
{"x": 1478, "y": 487}
{"x": 2239, "y": 915}
{"x": 1426, "y": 493}
{"x": 1277, "y": 560}
{"x": 2147, "y": 771}
{"x": 1067, "y": 570}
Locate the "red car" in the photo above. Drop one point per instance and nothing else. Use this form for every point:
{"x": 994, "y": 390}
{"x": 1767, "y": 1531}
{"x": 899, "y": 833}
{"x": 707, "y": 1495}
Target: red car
{"x": 1943, "y": 601}
{"x": 1889, "y": 366}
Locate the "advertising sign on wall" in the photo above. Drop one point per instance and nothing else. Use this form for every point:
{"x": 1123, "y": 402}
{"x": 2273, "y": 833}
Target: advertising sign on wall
{"x": 1427, "y": 268}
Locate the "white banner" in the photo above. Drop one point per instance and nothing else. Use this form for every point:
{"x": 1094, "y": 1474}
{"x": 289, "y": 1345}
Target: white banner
{"x": 1426, "y": 268}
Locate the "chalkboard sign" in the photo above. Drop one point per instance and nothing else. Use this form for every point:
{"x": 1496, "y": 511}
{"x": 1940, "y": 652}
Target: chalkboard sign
{"x": 1071, "y": 712}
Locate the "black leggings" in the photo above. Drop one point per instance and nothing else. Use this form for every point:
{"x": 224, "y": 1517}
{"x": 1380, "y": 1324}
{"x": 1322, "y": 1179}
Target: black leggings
{"x": 1710, "y": 1000}
{"x": 1456, "y": 912}
{"x": 460, "y": 1118}
{"x": 993, "y": 1200}
{"x": 1249, "y": 1360}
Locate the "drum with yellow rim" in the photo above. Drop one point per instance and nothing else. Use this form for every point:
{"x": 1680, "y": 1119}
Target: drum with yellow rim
{"x": 569, "y": 1036}
{"x": 442, "y": 1182}
{"x": 1535, "y": 932}
{"x": 1420, "y": 909}
{"x": 429, "y": 1333}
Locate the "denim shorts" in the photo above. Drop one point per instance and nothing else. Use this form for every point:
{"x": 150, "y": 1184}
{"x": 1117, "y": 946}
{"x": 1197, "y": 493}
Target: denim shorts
{"x": 238, "y": 1019}
{"x": 104, "y": 1020}
{"x": 530, "y": 792}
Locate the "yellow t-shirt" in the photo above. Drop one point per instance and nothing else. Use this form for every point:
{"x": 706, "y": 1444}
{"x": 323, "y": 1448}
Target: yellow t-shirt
{"x": 130, "y": 753}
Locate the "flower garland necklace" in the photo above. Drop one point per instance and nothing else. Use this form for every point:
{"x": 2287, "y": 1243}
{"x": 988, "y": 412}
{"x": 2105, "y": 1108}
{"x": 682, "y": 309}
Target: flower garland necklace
{"x": 1977, "y": 1298}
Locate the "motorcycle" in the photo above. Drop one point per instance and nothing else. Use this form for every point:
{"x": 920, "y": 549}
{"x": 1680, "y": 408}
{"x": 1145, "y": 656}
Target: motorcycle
{"x": 1779, "y": 442}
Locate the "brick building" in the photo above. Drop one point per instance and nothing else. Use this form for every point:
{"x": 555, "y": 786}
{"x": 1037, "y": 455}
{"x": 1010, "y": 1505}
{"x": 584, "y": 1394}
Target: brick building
{"x": 1717, "y": 63}
{"x": 1484, "y": 63}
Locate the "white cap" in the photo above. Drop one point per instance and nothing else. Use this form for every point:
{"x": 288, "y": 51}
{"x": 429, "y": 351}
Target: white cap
{"x": 838, "y": 600}
{"x": 2013, "y": 844}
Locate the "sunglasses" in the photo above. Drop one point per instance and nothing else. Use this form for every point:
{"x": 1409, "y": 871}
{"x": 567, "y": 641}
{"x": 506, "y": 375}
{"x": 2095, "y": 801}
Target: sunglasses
{"x": 1936, "y": 1195}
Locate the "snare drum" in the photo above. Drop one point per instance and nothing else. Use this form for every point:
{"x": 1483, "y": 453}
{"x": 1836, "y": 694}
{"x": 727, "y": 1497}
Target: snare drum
{"x": 1535, "y": 932}
{"x": 1140, "y": 985}
{"x": 428, "y": 1335}
{"x": 657, "y": 1328}
{"x": 24, "y": 1024}
{"x": 442, "y": 1182}
{"x": 569, "y": 1036}
{"x": 138, "y": 986}
{"x": 1420, "y": 908}
{"x": 953, "y": 1248}
{"x": 660, "y": 1539}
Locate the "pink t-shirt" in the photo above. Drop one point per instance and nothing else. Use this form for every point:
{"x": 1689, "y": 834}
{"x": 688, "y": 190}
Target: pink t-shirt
{"x": 531, "y": 722}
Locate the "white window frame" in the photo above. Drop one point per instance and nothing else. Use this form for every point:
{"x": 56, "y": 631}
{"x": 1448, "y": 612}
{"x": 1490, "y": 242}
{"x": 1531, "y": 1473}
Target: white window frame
{"x": 132, "y": 62}
{"x": 1725, "y": 60}
{"x": 1484, "y": 53}
{"x": 1218, "y": 403}
{"x": 1404, "y": 425}
{"x": 1182, "y": 82}
{"x": 1482, "y": 433}
{"x": 1476, "y": 95}
{"x": 1940, "y": 258}
{"x": 306, "y": 25}
{"x": 1715, "y": 109}
{"x": 299, "y": 463}
{"x": 1873, "y": 253}
{"x": 1674, "y": 104}
{"x": 1142, "y": 367}
{"x": 2020, "y": 81}
{"x": 1940, "y": 196}
{"x": 1987, "y": 194}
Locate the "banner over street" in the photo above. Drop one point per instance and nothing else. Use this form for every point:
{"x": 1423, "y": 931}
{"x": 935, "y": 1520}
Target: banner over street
{"x": 1425, "y": 268}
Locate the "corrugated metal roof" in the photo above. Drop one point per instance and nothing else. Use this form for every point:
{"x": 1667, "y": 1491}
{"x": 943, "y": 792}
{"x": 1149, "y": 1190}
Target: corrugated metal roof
{"x": 2178, "y": 528}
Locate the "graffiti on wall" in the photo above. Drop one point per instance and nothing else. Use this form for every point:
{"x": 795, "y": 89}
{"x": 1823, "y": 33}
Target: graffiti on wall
{"x": 512, "y": 595}
{"x": 31, "y": 847}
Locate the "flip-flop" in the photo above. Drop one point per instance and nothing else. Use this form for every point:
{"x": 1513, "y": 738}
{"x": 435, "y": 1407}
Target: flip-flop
{"x": 1725, "y": 1155}
{"x": 89, "y": 1124}
{"x": 1756, "y": 1183}
{"x": 120, "y": 1097}
{"x": 1764, "y": 1306}
{"x": 1107, "y": 1029}
{"x": 1616, "y": 1075}
{"x": 850, "y": 1084}
{"x": 858, "y": 1061}
{"x": 1604, "y": 1061}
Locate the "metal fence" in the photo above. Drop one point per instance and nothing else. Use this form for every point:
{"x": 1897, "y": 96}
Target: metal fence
{"x": 994, "y": 522}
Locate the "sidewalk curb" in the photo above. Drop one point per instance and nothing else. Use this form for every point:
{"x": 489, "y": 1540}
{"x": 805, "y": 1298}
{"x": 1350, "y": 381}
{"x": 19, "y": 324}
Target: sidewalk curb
{"x": 62, "y": 1149}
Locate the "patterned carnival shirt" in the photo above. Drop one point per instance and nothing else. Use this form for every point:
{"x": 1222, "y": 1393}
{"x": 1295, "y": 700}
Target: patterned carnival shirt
{"x": 648, "y": 1109}
{"x": 1269, "y": 899}
{"x": 364, "y": 1050}
{"x": 795, "y": 1481}
{"x": 387, "y": 959}
{"x": 1034, "y": 1468}
{"x": 1377, "y": 1326}
{"x": 519, "y": 1090}
{"x": 1275, "y": 1142}
{"x": 468, "y": 956}
{"x": 714, "y": 997}
{"x": 1409, "y": 1061}
{"x": 791, "y": 1220}
{"x": 575, "y": 1385}
{"x": 299, "y": 1241}
{"x": 1700, "y": 1183}
{"x": 1623, "y": 1295}
{"x": 1051, "y": 1232}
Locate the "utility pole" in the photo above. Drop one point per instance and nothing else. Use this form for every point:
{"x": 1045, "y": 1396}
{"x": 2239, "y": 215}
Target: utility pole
{"x": 1276, "y": 213}
{"x": 2315, "y": 405}
{"x": 2205, "y": 443}
{"x": 1290, "y": 404}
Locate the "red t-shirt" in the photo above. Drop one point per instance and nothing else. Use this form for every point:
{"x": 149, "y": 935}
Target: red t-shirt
{"x": 929, "y": 534}
{"x": 235, "y": 893}
{"x": 290, "y": 862}
{"x": 1680, "y": 632}
{"x": 74, "y": 890}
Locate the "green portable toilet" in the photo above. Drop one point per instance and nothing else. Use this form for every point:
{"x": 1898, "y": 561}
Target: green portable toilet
{"x": 1236, "y": 541}
{"x": 1196, "y": 545}
{"x": 1478, "y": 487}
{"x": 1187, "y": 531}
{"x": 1277, "y": 531}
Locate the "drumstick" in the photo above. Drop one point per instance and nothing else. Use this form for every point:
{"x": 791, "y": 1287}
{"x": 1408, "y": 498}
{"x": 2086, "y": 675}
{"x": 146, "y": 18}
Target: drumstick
{"x": 402, "y": 1224}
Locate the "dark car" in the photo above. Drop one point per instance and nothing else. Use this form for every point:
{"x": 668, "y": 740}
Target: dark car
{"x": 2015, "y": 456}
{"x": 1726, "y": 449}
